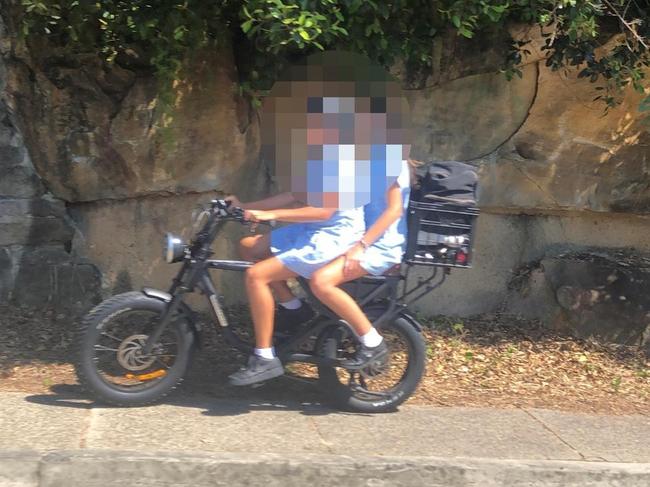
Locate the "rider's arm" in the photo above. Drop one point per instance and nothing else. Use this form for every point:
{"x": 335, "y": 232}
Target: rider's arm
{"x": 392, "y": 213}
{"x": 302, "y": 214}
{"x": 282, "y": 200}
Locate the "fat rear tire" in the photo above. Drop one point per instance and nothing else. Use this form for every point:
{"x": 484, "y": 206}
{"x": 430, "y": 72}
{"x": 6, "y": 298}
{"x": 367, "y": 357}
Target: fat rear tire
{"x": 343, "y": 397}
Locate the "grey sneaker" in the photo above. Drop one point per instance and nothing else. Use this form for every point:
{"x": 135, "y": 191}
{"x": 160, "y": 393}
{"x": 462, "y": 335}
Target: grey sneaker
{"x": 366, "y": 355}
{"x": 258, "y": 369}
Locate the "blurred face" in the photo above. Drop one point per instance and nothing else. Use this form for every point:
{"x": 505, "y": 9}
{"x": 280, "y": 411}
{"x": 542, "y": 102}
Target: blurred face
{"x": 335, "y": 144}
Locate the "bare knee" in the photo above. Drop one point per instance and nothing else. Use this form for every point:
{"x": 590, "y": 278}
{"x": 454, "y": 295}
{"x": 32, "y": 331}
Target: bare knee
{"x": 255, "y": 276}
{"x": 247, "y": 247}
{"x": 321, "y": 284}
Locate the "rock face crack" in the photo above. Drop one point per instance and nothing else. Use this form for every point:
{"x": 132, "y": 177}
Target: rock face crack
{"x": 557, "y": 435}
{"x": 532, "y": 180}
{"x": 523, "y": 122}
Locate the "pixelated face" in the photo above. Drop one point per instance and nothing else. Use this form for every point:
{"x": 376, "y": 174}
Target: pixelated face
{"x": 335, "y": 131}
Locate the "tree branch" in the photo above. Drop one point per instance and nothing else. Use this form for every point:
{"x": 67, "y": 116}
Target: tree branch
{"x": 626, "y": 24}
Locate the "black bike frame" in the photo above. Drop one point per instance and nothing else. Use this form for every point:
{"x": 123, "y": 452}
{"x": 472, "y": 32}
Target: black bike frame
{"x": 382, "y": 292}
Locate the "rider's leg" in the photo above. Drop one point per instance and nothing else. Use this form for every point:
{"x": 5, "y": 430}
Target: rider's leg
{"x": 262, "y": 364}
{"x": 257, "y": 247}
{"x": 258, "y": 285}
{"x": 324, "y": 284}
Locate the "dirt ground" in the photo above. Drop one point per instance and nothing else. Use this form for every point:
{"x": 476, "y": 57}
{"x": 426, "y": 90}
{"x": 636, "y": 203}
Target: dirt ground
{"x": 487, "y": 363}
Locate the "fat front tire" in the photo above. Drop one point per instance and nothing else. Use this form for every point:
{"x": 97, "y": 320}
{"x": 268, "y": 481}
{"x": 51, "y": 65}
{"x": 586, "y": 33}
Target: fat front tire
{"x": 378, "y": 390}
{"x": 138, "y": 382}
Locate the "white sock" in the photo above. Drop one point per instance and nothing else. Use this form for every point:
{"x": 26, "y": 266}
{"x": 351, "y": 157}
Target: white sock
{"x": 268, "y": 353}
{"x": 295, "y": 303}
{"x": 371, "y": 339}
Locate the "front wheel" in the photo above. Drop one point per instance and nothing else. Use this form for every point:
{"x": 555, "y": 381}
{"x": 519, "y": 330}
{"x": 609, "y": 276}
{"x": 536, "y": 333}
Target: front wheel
{"x": 110, "y": 363}
{"x": 379, "y": 387}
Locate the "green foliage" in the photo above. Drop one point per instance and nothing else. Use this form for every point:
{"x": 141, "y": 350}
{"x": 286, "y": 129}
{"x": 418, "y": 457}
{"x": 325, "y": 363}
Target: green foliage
{"x": 271, "y": 33}
{"x": 158, "y": 33}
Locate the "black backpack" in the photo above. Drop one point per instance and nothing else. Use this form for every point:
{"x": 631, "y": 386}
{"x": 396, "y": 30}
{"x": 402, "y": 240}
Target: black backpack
{"x": 449, "y": 181}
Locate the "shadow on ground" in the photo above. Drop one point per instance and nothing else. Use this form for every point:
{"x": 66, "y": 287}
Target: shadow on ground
{"x": 73, "y": 396}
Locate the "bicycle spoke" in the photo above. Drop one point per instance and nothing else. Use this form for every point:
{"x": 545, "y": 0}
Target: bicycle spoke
{"x": 162, "y": 363}
{"x": 124, "y": 355}
{"x": 111, "y": 336}
{"x": 362, "y": 382}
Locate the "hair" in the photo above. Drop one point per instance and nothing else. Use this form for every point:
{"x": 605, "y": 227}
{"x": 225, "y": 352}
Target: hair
{"x": 413, "y": 166}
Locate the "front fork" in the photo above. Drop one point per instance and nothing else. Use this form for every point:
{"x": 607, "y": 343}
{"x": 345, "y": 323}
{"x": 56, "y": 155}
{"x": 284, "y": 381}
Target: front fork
{"x": 166, "y": 317}
{"x": 207, "y": 287}
{"x": 205, "y": 284}
{"x": 177, "y": 290}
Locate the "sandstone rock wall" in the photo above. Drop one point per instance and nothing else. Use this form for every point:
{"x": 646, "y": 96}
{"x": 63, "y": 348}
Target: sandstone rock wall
{"x": 565, "y": 194}
{"x": 36, "y": 264}
{"x": 105, "y": 172}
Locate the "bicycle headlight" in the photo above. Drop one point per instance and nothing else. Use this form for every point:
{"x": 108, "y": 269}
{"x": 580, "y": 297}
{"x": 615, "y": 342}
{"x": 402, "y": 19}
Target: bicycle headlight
{"x": 174, "y": 249}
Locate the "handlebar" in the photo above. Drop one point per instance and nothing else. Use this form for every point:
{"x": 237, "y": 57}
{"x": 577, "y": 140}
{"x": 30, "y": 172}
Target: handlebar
{"x": 225, "y": 209}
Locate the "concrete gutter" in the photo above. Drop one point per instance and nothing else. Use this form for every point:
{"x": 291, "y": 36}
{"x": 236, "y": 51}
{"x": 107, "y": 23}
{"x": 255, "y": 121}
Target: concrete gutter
{"x": 109, "y": 468}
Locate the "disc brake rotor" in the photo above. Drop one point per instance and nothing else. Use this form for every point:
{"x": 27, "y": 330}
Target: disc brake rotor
{"x": 129, "y": 353}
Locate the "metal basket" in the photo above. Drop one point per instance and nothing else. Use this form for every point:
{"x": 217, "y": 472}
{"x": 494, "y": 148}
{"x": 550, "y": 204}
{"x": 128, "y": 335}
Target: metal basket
{"x": 440, "y": 234}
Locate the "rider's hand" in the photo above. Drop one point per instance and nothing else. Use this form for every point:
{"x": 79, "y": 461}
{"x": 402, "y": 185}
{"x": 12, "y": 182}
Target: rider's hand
{"x": 233, "y": 200}
{"x": 351, "y": 266}
{"x": 255, "y": 216}
{"x": 258, "y": 215}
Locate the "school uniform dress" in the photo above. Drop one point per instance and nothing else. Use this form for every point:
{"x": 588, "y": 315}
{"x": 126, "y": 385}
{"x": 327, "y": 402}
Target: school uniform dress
{"x": 390, "y": 247}
{"x": 306, "y": 247}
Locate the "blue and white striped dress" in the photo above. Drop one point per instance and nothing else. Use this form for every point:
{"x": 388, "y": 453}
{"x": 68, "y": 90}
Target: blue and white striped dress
{"x": 306, "y": 247}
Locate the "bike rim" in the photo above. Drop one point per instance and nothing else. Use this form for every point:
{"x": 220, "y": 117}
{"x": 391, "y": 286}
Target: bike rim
{"x": 381, "y": 381}
{"x": 117, "y": 351}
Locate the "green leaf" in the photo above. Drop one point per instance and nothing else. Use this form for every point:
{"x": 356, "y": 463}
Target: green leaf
{"x": 246, "y": 26}
{"x": 456, "y": 21}
{"x": 179, "y": 32}
{"x": 303, "y": 33}
{"x": 465, "y": 32}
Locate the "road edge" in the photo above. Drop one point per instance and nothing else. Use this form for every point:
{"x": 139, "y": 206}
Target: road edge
{"x": 118, "y": 468}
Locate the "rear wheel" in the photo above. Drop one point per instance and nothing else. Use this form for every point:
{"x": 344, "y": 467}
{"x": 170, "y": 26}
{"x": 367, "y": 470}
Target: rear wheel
{"x": 384, "y": 384}
{"x": 111, "y": 364}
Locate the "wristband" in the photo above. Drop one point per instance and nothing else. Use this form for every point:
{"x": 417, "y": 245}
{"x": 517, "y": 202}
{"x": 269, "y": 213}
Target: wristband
{"x": 364, "y": 244}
